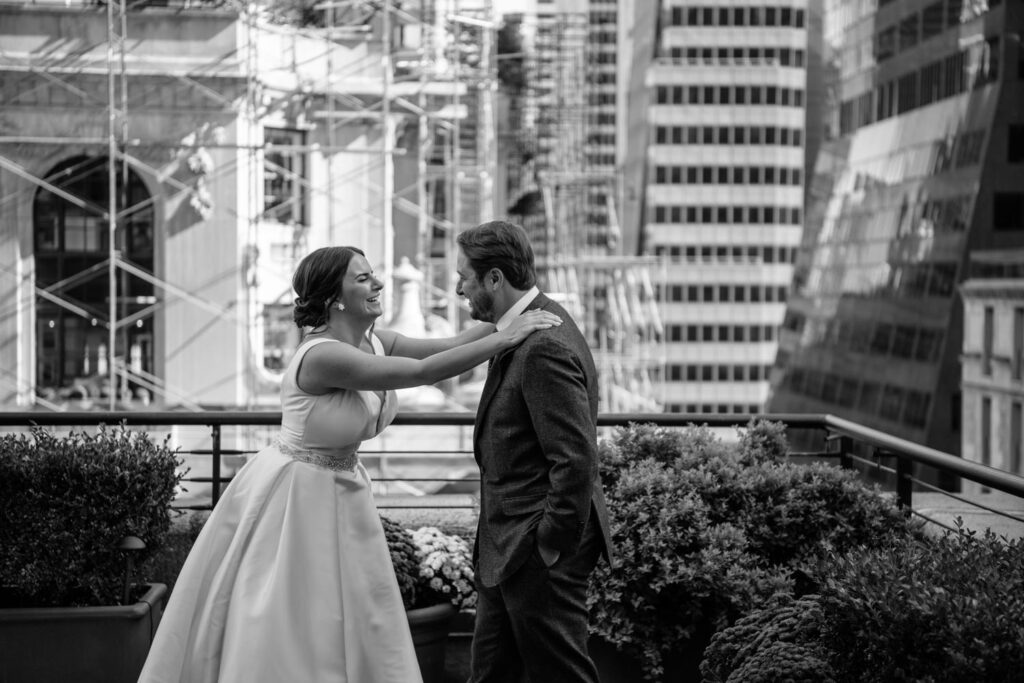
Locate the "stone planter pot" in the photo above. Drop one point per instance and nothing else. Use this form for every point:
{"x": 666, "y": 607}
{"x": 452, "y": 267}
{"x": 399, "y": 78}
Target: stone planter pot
{"x": 82, "y": 644}
{"x": 430, "y": 627}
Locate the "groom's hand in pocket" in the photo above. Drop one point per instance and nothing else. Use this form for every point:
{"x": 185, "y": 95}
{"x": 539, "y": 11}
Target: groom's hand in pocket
{"x": 548, "y": 556}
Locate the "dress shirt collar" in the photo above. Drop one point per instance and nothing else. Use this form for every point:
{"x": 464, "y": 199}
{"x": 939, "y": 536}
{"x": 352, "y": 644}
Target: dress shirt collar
{"x": 517, "y": 308}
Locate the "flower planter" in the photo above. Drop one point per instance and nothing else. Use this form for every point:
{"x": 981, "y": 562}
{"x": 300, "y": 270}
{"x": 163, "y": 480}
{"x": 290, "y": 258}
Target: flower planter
{"x": 80, "y": 644}
{"x": 430, "y": 627}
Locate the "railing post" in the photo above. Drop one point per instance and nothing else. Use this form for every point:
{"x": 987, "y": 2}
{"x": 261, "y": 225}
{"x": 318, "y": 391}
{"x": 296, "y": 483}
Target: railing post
{"x": 904, "y": 482}
{"x": 215, "y": 465}
{"x": 846, "y": 452}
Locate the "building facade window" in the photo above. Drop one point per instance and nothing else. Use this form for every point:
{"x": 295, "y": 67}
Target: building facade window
{"x": 280, "y": 335}
{"x": 1008, "y": 211}
{"x": 988, "y": 333}
{"x": 986, "y": 434}
{"x": 1016, "y": 440}
{"x": 1017, "y": 357}
{"x": 285, "y": 176}
{"x": 1015, "y": 143}
{"x": 71, "y": 241}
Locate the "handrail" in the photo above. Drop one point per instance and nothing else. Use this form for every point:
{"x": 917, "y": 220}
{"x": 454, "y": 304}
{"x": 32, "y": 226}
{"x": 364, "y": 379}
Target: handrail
{"x": 269, "y": 417}
{"x": 139, "y": 417}
{"x": 982, "y": 474}
{"x": 905, "y": 452}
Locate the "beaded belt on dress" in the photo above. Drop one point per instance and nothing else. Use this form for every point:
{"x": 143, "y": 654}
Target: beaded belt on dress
{"x": 341, "y": 462}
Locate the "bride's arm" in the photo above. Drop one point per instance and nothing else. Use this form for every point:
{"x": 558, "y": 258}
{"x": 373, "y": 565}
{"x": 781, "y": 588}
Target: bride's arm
{"x": 326, "y": 367}
{"x": 396, "y": 344}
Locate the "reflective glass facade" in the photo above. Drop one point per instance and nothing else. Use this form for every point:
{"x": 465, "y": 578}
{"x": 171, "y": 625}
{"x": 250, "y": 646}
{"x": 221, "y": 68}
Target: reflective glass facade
{"x": 922, "y": 98}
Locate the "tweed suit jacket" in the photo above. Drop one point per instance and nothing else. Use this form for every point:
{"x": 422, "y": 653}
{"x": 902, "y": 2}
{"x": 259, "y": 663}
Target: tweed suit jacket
{"x": 535, "y": 441}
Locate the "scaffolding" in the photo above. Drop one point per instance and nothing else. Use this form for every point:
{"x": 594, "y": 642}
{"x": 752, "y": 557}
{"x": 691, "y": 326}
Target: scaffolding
{"x": 164, "y": 166}
{"x": 565, "y": 190}
{"x": 357, "y": 120}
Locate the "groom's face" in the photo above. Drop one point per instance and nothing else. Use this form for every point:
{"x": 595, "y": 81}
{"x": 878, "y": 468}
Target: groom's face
{"x": 481, "y": 299}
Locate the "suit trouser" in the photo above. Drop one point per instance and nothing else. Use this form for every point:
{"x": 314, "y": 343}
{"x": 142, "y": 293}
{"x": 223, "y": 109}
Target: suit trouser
{"x": 533, "y": 625}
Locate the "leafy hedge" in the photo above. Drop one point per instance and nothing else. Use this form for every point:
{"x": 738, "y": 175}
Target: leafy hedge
{"x": 65, "y": 504}
{"x": 706, "y": 530}
{"x": 938, "y": 610}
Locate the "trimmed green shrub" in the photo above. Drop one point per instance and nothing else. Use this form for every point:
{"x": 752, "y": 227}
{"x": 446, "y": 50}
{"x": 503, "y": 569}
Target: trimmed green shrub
{"x": 789, "y": 511}
{"x": 945, "y": 610}
{"x": 66, "y": 502}
{"x": 763, "y": 441}
{"x": 919, "y": 609}
{"x": 705, "y": 530}
{"x": 677, "y": 577}
{"x": 635, "y": 443}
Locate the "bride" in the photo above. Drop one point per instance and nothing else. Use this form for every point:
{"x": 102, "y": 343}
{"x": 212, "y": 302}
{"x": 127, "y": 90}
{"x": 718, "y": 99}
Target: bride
{"x": 291, "y": 577}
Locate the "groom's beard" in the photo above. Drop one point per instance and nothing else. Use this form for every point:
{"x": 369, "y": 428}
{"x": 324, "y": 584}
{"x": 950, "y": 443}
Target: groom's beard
{"x": 481, "y": 307}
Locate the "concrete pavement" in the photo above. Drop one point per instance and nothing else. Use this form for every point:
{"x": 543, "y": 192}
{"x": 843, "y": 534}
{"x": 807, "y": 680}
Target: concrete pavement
{"x": 945, "y": 509}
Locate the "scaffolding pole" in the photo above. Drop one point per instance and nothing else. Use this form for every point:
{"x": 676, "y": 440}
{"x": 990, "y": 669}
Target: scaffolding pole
{"x": 438, "y": 110}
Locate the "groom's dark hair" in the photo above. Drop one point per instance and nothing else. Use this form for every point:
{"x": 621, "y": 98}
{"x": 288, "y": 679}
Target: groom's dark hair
{"x": 501, "y": 245}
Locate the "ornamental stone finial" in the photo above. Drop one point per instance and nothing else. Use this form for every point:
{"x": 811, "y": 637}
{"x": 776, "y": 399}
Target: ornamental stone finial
{"x": 408, "y": 319}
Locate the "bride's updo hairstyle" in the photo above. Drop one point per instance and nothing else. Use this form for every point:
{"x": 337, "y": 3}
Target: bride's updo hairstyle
{"x": 317, "y": 283}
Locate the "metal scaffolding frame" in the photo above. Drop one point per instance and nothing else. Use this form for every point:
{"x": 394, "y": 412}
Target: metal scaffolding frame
{"x": 429, "y": 91}
{"x": 424, "y": 82}
{"x": 566, "y": 194}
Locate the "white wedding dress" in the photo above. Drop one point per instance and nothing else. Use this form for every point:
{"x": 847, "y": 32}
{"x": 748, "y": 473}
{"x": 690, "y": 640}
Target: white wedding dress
{"x": 290, "y": 580}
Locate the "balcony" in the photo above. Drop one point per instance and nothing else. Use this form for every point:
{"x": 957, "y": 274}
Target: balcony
{"x": 425, "y": 469}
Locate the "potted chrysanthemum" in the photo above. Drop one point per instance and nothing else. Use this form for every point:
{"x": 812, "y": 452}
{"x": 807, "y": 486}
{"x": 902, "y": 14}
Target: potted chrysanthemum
{"x": 444, "y": 586}
{"x": 435, "y": 575}
{"x": 445, "y": 569}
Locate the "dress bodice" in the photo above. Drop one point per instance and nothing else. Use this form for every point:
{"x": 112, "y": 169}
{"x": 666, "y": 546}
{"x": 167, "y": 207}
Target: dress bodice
{"x": 330, "y": 427}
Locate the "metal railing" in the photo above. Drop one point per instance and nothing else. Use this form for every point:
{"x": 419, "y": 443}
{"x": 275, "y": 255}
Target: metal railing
{"x": 899, "y": 465}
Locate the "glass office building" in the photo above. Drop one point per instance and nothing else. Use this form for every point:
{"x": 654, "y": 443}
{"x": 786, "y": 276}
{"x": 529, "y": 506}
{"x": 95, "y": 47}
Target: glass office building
{"x": 921, "y": 164}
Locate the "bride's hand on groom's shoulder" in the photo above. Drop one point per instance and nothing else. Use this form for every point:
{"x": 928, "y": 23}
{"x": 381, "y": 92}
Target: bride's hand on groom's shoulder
{"x": 529, "y": 322}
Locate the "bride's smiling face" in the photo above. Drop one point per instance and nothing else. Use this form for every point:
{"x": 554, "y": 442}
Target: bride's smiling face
{"x": 360, "y": 289}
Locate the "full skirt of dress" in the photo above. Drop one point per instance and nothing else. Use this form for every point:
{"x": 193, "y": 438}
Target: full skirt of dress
{"x": 290, "y": 580}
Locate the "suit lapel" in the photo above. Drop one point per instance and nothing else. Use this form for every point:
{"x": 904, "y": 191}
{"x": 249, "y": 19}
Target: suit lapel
{"x": 494, "y": 375}
{"x": 497, "y": 369}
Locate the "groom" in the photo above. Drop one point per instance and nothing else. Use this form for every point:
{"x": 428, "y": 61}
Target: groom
{"x": 543, "y": 522}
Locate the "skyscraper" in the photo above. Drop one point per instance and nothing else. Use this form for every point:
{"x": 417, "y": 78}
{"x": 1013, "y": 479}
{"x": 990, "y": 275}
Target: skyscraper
{"x": 573, "y": 175}
{"x": 921, "y": 164}
{"x": 724, "y": 198}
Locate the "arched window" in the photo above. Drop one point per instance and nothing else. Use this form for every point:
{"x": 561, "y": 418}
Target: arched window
{"x": 72, "y": 273}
